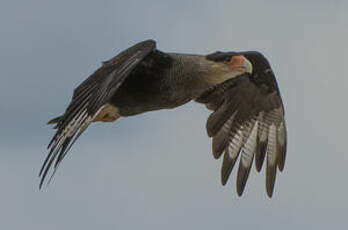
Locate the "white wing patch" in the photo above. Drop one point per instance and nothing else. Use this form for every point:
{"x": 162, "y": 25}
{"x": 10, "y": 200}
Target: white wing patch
{"x": 235, "y": 145}
{"x": 250, "y": 147}
{"x": 281, "y": 133}
{"x": 266, "y": 130}
{"x": 272, "y": 145}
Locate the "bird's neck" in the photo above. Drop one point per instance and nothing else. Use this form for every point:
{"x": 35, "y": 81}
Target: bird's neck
{"x": 194, "y": 74}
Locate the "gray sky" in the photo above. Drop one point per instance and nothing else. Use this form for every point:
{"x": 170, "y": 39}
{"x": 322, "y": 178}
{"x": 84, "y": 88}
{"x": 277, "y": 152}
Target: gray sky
{"x": 156, "y": 170}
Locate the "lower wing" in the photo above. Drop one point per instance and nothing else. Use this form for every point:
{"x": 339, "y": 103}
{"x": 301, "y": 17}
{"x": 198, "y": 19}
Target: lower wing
{"x": 88, "y": 99}
{"x": 248, "y": 120}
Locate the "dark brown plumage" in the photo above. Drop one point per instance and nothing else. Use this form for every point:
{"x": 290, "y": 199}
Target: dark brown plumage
{"x": 240, "y": 88}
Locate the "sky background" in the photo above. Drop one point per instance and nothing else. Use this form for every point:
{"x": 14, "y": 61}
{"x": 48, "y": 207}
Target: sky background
{"x": 156, "y": 170}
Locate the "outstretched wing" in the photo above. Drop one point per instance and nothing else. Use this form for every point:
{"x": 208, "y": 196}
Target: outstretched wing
{"x": 248, "y": 120}
{"x": 88, "y": 99}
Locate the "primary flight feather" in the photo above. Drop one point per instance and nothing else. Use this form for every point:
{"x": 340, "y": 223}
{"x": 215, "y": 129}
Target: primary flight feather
{"x": 240, "y": 88}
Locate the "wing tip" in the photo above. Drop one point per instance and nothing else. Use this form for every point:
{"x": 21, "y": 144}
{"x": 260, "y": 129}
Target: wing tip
{"x": 218, "y": 148}
{"x": 281, "y": 166}
{"x": 281, "y": 158}
{"x": 260, "y": 155}
{"x": 226, "y": 169}
{"x": 242, "y": 178}
{"x": 54, "y": 120}
{"x": 271, "y": 172}
{"x": 270, "y": 193}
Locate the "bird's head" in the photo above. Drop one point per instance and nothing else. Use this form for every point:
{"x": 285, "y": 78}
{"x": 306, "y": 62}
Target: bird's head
{"x": 235, "y": 61}
{"x": 247, "y": 62}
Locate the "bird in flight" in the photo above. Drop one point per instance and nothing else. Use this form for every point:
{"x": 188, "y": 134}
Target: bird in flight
{"x": 240, "y": 89}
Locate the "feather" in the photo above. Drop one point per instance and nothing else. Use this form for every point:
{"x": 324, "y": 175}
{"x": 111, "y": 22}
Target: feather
{"x": 262, "y": 142}
{"x": 246, "y": 159}
{"x": 220, "y": 140}
{"x": 258, "y": 127}
{"x": 54, "y": 120}
{"x": 231, "y": 155}
{"x": 281, "y": 145}
{"x": 217, "y": 119}
{"x": 239, "y": 135}
{"x": 271, "y": 159}
{"x": 88, "y": 98}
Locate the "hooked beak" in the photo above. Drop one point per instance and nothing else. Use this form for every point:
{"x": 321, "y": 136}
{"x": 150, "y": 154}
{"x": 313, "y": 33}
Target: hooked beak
{"x": 240, "y": 64}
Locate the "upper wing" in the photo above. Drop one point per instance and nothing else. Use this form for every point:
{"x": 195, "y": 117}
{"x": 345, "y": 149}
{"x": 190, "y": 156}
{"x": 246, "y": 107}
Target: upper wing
{"x": 248, "y": 120}
{"x": 88, "y": 98}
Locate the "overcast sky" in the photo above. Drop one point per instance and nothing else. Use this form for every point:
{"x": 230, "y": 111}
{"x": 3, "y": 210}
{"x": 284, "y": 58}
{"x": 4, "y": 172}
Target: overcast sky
{"x": 156, "y": 170}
